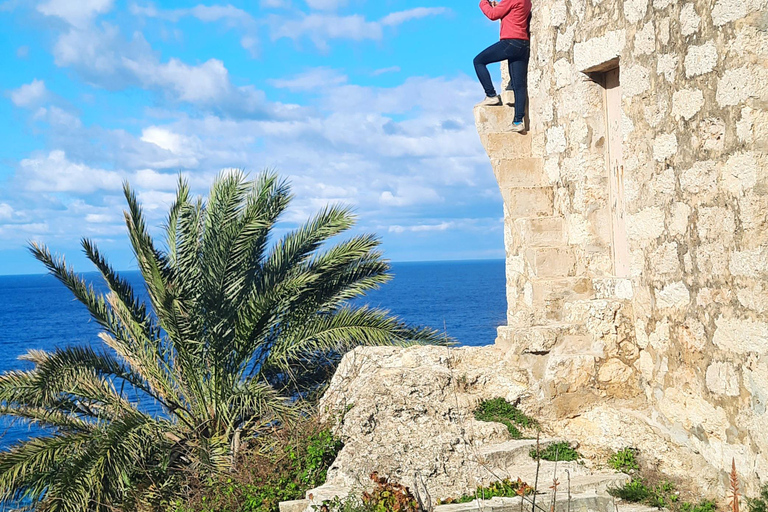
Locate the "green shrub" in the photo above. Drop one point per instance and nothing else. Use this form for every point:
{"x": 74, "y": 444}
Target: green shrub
{"x": 504, "y": 488}
{"x": 702, "y": 506}
{"x": 295, "y": 460}
{"x": 663, "y": 495}
{"x": 625, "y": 460}
{"x": 634, "y": 491}
{"x": 561, "y": 451}
{"x": 499, "y": 410}
{"x": 759, "y": 504}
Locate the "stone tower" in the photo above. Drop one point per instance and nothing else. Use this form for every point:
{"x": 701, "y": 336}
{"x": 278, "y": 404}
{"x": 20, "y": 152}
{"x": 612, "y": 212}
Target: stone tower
{"x": 636, "y": 229}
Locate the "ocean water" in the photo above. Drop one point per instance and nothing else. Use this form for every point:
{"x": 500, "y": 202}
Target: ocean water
{"x": 465, "y": 299}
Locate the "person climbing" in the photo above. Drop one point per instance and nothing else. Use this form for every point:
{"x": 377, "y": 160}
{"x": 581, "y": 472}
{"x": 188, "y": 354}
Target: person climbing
{"x": 514, "y": 46}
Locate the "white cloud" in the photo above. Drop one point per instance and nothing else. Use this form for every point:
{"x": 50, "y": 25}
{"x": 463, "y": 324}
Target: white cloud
{"x": 326, "y": 5}
{"x": 78, "y": 13}
{"x": 382, "y": 71}
{"x": 398, "y": 18}
{"x": 320, "y": 28}
{"x": 204, "y": 13}
{"x": 104, "y": 58}
{"x": 22, "y": 52}
{"x": 422, "y": 228}
{"x": 313, "y": 79}
{"x": 411, "y": 195}
{"x": 6, "y": 211}
{"x": 30, "y": 95}
{"x": 55, "y": 173}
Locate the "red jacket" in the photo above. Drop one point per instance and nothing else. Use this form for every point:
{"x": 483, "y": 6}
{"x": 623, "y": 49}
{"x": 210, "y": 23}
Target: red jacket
{"x": 514, "y": 16}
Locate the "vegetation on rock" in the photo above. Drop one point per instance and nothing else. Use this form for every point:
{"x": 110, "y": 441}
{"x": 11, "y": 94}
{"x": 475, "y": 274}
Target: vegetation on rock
{"x": 386, "y": 496}
{"x": 280, "y": 467}
{"x": 625, "y": 460}
{"x": 759, "y": 504}
{"x": 505, "y": 488}
{"x": 560, "y": 451}
{"x": 500, "y": 411}
{"x": 240, "y": 325}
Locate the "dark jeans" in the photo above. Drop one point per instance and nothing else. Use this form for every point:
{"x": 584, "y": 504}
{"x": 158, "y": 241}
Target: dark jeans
{"x": 517, "y": 52}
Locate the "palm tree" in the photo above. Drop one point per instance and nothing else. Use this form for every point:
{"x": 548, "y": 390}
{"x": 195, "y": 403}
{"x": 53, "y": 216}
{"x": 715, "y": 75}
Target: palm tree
{"x": 235, "y": 329}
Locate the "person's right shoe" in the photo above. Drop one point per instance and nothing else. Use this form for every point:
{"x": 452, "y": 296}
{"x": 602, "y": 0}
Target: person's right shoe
{"x": 490, "y": 101}
{"x": 517, "y": 127}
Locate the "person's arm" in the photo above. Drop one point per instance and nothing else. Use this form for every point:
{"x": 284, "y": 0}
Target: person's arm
{"x": 496, "y": 11}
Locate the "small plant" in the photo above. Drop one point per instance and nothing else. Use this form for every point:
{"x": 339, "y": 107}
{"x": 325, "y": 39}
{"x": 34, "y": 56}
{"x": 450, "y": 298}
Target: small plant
{"x": 634, "y": 491}
{"x": 385, "y": 497}
{"x": 625, "y": 460}
{"x": 663, "y": 495}
{"x": 504, "y": 488}
{"x": 499, "y": 410}
{"x": 561, "y": 452}
{"x": 702, "y": 506}
{"x": 735, "y": 494}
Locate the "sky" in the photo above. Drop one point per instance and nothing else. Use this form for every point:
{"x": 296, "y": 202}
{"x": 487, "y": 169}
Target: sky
{"x": 364, "y": 103}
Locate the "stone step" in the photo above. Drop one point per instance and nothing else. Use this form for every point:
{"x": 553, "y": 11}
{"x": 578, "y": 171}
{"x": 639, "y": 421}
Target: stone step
{"x": 511, "y": 453}
{"x": 553, "y": 262}
{"x": 496, "y": 119}
{"x": 562, "y": 289}
{"x": 583, "y": 499}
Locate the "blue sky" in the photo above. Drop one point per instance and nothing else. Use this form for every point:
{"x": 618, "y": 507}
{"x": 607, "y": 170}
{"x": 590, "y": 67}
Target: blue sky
{"x": 367, "y": 103}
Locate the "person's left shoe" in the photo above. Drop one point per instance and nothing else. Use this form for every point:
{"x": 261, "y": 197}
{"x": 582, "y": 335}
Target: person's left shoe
{"x": 490, "y": 101}
{"x": 517, "y": 127}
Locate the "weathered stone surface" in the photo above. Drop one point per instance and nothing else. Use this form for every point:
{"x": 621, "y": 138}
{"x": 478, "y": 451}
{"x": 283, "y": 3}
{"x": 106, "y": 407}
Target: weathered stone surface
{"x": 409, "y": 411}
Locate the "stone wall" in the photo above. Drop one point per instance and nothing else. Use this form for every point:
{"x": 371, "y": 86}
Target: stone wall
{"x": 637, "y": 232}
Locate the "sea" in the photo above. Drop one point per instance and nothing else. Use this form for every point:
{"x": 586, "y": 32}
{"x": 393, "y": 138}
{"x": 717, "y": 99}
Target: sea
{"x": 464, "y": 299}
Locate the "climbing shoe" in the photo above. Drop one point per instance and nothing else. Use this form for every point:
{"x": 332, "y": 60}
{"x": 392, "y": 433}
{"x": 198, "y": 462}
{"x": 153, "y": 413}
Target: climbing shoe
{"x": 490, "y": 101}
{"x": 517, "y": 127}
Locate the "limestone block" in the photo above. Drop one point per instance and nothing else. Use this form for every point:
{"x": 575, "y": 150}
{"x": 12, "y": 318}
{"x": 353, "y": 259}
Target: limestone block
{"x": 751, "y": 263}
{"x": 599, "y": 50}
{"x": 741, "y": 335}
{"x": 554, "y": 262}
{"x": 645, "y": 39}
{"x": 723, "y": 379}
{"x": 740, "y": 173}
{"x": 693, "y": 411}
{"x": 662, "y": 4}
{"x": 562, "y": 289}
{"x": 689, "y": 19}
{"x": 556, "y": 140}
{"x": 711, "y": 261}
{"x": 508, "y": 145}
{"x": 635, "y": 80}
{"x": 615, "y": 288}
{"x": 520, "y": 172}
{"x": 646, "y": 224}
{"x": 752, "y": 128}
{"x": 664, "y": 259}
{"x": 645, "y": 365}
{"x": 569, "y": 373}
{"x": 692, "y": 335}
{"x": 686, "y": 103}
{"x": 726, "y": 11}
{"x": 700, "y": 59}
{"x": 678, "y": 222}
{"x": 564, "y": 40}
{"x": 664, "y": 146}
{"x": 711, "y": 134}
{"x": 563, "y": 73}
{"x": 666, "y": 65}
{"x": 739, "y": 84}
{"x": 529, "y": 202}
{"x": 634, "y": 10}
{"x": 558, "y": 14}
{"x": 701, "y": 178}
{"x": 614, "y": 371}
{"x": 754, "y": 296}
{"x": 542, "y": 231}
{"x": 716, "y": 223}
{"x": 675, "y": 295}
